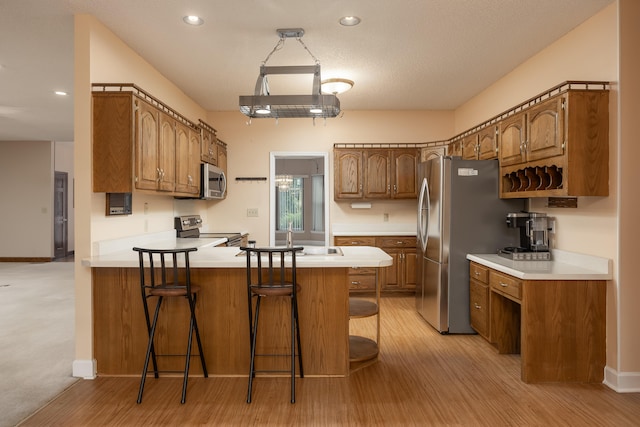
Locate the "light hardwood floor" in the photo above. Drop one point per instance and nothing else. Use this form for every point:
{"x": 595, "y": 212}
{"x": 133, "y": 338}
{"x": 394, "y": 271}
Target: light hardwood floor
{"x": 421, "y": 378}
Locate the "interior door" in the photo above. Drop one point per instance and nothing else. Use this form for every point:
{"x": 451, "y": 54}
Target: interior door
{"x": 60, "y": 219}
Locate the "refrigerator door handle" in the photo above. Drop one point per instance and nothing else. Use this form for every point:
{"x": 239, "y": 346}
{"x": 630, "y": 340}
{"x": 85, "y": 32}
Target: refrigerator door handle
{"x": 423, "y": 217}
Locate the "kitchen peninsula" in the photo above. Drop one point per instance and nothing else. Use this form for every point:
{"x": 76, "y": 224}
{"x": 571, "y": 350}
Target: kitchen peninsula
{"x": 120, "y": 334}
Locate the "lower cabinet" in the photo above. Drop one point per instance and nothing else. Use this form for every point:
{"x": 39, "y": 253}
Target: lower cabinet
{"x": 479, "y": 299}
{"x": 557, "y": 326}
{"x": 400, "y": 276}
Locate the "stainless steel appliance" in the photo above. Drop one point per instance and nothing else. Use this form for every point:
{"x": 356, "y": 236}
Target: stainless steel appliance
{"x": 459, "y": 212}
{"x": 534, "y": 237}
{"x": 188, "y": 226}
{"x": 213, "y": 182}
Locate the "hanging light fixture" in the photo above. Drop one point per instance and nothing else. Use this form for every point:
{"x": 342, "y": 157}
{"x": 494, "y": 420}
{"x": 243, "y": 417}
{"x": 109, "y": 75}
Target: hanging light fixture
{"x": 284, "y": 182}
{"x": 315, "y": 105}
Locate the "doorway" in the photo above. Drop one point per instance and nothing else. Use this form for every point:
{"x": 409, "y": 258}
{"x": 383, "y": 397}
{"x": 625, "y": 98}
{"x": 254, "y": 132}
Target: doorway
{"x": 298, "y": 197}
{"x": 60, "y": 217}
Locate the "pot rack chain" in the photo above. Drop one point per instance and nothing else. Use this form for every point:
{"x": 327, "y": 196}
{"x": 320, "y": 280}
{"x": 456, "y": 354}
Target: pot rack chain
{"x": 280, "y": 44}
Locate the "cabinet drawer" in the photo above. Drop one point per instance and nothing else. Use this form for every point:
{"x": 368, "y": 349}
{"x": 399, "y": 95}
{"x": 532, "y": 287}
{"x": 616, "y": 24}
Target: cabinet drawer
{"x": 479, "y": 307}
{"x": 362, "y": 270}
{"x": 354, "y": 241}
{"x": 362, "y": 282}
{"x": 506, "y": 284}
{"x": 396, "y": 242}
{"x": 479, "y": 272}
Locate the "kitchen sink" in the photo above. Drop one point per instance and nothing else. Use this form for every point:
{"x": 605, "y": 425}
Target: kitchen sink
{"x": 314, "y": 250}
{"x": 322, "y": 250}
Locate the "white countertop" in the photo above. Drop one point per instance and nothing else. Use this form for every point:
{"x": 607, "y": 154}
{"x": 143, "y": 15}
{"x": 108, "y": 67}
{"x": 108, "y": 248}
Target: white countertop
{"x": 209, "y": 256}
{"x": 563, "y": 266}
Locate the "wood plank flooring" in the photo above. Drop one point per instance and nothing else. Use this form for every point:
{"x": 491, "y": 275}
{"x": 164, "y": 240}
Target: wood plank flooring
{"x": 422, "y": 378}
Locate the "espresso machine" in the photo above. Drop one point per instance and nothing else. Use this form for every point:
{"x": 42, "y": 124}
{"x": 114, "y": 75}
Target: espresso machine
{"x": 534, "y": 237}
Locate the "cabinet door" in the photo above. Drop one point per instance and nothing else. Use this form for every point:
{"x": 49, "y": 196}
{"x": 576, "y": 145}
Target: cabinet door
{"x": 377, "y": 174}
{"x": 347, "y": 176}
{"x": 512, "y": 140}
{"x": 194, "y": 162}
{"x": 410, "y": 269}
{"x": 209, "y": 148}
{"x": 405, "y": 173}
{"x": 546, "y": 129}
{"x": 187, "y": 160}
{"x": 488, "y": 143}
{"x": 479, "y": 308}
{"x": 167, "y": 153}
{"x": 393, "y": 272}
{"x": 470, "y": 147}
{"x": 147, "y": 172}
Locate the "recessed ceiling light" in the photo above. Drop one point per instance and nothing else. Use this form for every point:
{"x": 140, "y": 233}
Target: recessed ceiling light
{"x": 349, "y": 21}
{"x": 193, "y": 20}
{"x": 61, "y": 93}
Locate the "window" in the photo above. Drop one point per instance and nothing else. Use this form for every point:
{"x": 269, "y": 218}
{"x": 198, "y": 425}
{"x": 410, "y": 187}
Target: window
{"x": 290, "y": 205}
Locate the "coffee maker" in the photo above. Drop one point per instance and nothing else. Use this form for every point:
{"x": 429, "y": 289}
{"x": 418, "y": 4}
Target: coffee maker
{"x": 534, "y": 236}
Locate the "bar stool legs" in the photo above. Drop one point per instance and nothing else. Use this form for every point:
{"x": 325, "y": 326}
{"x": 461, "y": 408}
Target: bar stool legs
{"x": 167, "y": 281}
{"x": 295, "y": 344}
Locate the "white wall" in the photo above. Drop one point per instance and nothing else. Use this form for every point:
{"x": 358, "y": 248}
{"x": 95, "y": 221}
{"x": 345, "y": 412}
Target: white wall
{"x": 26, "y": 217}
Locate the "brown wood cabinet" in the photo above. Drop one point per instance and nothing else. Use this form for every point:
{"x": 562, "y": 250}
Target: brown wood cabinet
{"x": 187, "y": 160}
{"x": 558, "y": 326}
{"x": 481, "y": 145}
{"x": 375, "y": 173}
{"x": 139, "y": 146}
{"x": 479, "y": 299}
{"x": 222, "y": 156}
{"x": 470, "y": 147}
{"x": 558, "y": 147}
{"x": 400, "y": 276}
{"x": 209, "y": 145}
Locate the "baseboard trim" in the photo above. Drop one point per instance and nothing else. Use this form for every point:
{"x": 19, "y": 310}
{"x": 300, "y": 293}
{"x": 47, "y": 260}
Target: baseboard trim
{"x": 622, "y": 382}
{"x": 86, "y": 369}
{"x": 24, "y": 259}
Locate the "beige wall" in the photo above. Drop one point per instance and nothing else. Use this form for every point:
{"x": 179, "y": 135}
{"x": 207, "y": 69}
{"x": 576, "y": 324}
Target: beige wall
{"x": 628, "y": 354}
{"x": 29, "y": 163}
{"x": 250, "y": 145}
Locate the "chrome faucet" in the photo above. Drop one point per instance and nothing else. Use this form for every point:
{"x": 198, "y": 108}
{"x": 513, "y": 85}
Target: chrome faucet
{"x": 290, "y": 236}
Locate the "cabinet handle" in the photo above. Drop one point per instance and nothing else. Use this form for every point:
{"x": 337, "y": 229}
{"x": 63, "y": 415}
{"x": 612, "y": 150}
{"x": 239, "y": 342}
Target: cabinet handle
{"x": 159, "y": 175}
{"x": 477, "y": 306}
{"x": 399, "y": 243}
{"x": 353, "y": 282}
{"x": 504, "y": 285}
{"x": 477, "y": 273}
{"x": 354, "y": 243}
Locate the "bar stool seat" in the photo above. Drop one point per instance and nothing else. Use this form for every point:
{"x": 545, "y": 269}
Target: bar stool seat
{"x": 168, "y": 280}
{"x": 273, "y": 278}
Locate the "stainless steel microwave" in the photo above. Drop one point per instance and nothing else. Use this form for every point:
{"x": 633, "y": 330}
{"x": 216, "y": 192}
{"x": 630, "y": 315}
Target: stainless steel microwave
{"x": 213, "y": 183}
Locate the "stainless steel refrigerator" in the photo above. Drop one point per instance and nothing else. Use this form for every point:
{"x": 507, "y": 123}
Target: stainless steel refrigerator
{"x": 459, "y": 212}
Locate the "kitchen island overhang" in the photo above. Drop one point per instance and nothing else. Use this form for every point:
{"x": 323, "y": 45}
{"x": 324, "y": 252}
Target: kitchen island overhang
{"x": 120, "y": 334}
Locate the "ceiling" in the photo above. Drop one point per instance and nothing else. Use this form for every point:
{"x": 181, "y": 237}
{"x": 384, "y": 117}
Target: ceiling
{"x": 404, "y": 55}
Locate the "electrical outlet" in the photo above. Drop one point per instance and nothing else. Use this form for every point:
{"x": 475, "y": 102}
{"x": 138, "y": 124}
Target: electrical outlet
{"x": 552, "y": 226}
{"x": 385, "y": 217}
{"x": 252, "y": 212}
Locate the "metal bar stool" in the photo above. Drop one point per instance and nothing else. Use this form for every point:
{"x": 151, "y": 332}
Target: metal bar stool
{"x": 271, "y": 281}
{"x": 164, "y": 281}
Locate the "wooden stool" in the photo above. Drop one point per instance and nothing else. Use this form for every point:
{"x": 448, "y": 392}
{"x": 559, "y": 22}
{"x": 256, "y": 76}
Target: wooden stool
{"x": 270, "y": 282}
{"x": 163, "y": 281}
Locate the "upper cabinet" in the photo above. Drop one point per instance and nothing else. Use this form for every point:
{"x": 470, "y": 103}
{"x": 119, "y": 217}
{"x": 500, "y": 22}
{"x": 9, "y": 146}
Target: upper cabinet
{"x": 536, "y": 133}
{"x": 141, "y": 144}
{"x": 558, "y": 147}
{"x": 209, "y": 145}
{"x": 375, "y": 173}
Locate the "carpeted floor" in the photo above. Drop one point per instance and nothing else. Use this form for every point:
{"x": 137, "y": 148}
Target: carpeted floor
{"x": 36, "y": 336}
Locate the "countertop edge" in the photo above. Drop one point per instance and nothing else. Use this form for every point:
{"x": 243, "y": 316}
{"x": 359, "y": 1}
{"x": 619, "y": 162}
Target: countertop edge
{"x": 541, "y": 270}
